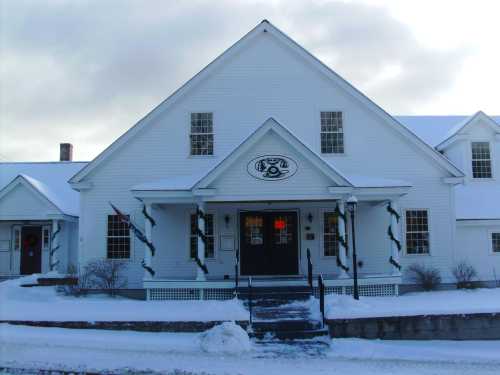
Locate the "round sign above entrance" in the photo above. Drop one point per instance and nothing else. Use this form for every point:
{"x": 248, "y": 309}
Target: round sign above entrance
{"x": 272, "y": 167}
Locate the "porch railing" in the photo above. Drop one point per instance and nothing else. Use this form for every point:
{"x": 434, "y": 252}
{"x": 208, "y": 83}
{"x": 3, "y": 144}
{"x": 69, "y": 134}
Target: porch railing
{"x": 250, "y": 303}
{"x": 321, "y": 288}
{"x": 309, "y": 270}
{"x": 236, "y": 276}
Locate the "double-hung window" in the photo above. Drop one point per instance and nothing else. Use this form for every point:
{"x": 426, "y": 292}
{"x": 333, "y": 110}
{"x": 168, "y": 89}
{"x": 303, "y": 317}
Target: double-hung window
{"x": 417, "y": 232}
{"x": 495, "y": 242}
{"x": 209, "y": 235}
{"x": 118, "y": 244}
{"x": 332, "y": 133}
{"x": 330, "y": 232}
{"x": 202, "y": 134}
{"x": 481, "y": 160}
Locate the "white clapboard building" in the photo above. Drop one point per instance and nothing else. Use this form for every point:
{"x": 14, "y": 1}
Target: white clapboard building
{"x": 253, "y": 166}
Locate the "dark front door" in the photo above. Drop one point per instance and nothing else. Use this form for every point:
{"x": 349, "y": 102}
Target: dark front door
{"x": 31, "y": 250}
{"x": 268, "y": 242}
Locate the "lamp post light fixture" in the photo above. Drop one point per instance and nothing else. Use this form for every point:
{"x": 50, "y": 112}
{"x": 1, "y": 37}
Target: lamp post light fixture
{"x": 352, "y": 204}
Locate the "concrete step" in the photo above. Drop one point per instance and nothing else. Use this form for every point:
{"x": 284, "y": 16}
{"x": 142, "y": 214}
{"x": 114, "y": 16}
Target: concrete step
{"x": 286, "y": 325}
{"x": 291, "y": 335}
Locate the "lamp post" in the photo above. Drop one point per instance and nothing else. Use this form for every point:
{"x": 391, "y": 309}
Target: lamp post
{"x": 352, "y": 204}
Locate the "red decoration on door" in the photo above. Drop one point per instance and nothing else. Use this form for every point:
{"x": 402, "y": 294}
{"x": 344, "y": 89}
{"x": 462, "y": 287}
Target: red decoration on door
{"x": 279, "y": 224}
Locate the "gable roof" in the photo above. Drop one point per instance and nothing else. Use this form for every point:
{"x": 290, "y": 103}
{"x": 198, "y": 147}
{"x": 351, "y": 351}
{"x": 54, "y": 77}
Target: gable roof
{"x": 266, "y": 26}
{"x": 271, "y": 125}
{"x": 48, "y": 179}
{"x": 436, "y": 129}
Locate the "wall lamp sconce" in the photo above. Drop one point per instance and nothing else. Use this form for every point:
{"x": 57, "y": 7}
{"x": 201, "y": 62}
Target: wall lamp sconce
{"x": 227, "y": 220}
{"x": 309, "y": 217}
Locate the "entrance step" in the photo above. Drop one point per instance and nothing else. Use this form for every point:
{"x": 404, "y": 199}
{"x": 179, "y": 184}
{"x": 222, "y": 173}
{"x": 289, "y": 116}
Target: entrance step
{"x": 290, "y": 335}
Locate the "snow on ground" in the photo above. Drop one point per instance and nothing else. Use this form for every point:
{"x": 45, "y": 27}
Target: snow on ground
{"x": 421, "y": 303}
{"x": 421, "y": 351}
{"x": 128, "y": 352}
{"x": 227, "y": 337}
{"x": 44, "y": 303}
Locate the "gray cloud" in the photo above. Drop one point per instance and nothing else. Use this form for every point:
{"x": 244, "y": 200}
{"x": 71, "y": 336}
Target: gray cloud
{"x": 85, "y": 72}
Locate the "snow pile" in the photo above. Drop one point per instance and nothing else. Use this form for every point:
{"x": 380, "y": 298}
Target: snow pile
{"x": 227, "y": 338}
{"x": 421, "y": 303}
{"x": 44, "y": 303}
{"x": 421, "y": 351}
{"x": 11, "y": 290}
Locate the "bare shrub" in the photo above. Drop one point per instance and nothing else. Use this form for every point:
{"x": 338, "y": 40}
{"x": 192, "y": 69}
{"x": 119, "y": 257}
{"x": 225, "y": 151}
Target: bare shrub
{"x": 464, "y": 275}
{"x": 427, "y": 277}
{"x": 100, "y": 274}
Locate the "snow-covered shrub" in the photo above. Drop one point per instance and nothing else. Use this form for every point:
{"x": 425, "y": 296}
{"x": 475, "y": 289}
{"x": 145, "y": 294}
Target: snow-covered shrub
{"x": 101, "y": 274}
{"x": 427, "y": 277}
{"x": 465, "y": 274}
{"x": 226, "y": 338}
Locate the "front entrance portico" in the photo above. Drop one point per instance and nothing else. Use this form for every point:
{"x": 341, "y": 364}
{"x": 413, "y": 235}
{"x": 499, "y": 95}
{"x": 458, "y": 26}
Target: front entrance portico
{"x": 259, "y": 213}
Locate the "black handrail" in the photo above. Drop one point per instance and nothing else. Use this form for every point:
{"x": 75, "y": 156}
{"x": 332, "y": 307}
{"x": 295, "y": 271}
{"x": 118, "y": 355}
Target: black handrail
{"x": 236, "y": 276}
{"x": 321, "y": 287}
{"x": 250, "y": 300}
{"x": 309, "y": 270}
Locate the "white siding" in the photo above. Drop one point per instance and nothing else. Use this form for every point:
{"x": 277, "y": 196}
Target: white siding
{"x": 265, "y": 80}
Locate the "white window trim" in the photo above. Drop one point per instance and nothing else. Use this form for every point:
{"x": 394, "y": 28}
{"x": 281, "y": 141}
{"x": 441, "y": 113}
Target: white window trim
{"x": 492, "y": 160}
{"x": 48, "y": 228}
{"x": 189, "y": 134}
{"x": 18, "y": 229}
{"x": 318, "y": 117}
{"x": 321, "y": 232}
{"x": 429, "y": 231}
{"x": 216, "y": 242}
{"x": 131, "y": 242}
{"x": 490, "y": 241}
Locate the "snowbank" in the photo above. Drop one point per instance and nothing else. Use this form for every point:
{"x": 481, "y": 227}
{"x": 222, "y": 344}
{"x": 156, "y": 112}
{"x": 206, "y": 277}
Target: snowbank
{"x": 421, "y": 351}
{"x": 44, "y": 303}
{"x": 226, "y": 338}
{"x": 422, "y": 303}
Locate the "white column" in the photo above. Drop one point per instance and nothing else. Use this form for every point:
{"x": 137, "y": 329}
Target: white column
{"x": 200, "y": 275}
{"x": 342, "y": 231}
{"x": 54, "y": 244}
{"x": 149, "y": 237}
{"x": 396, "y": 233}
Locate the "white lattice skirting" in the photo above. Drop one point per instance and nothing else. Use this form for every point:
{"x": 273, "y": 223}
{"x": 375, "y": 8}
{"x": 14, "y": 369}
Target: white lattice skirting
{"x": 159, "y": 294}
{"x": 372, "y": 290}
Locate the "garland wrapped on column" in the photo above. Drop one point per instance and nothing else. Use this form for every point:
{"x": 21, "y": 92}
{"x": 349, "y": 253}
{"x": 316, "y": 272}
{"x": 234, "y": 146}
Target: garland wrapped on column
{"x": 341, "y": 239}
{"x": 53, "y": 248}
{"x": 203, "y": 237}
{"x": 396, "y": 241}
{"x": 137, "y": 233}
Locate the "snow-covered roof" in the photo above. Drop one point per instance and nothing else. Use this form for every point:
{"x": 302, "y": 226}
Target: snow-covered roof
{"x": 435, "y": 129}
{"x": 476, "y": 201}
{"x": 49, "y": 178}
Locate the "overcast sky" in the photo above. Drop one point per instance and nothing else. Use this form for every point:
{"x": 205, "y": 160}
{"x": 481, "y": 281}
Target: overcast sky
{"x": 85, "y": 71}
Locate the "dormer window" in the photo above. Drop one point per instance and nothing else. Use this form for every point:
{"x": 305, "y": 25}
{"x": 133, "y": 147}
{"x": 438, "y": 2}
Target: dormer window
{"x": 332, "y": 133}
{"x": 202, "y": 133}
{"x": 481, "y": 160}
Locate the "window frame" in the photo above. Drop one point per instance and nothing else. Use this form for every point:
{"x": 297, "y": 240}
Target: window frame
{"x": 491, "y": 160}
{"x": 47, "y": 228}
{"x": 189, "y": 235}
{"x": 322, "y": 213}
{"x": 130, "y": 237}
{"x": 16, "y": 237}
{"x": 429, "y": 226}
{"x": 490, "y": 240}
{"x": 342, "y": 112}
{"x": 190, "y": 133}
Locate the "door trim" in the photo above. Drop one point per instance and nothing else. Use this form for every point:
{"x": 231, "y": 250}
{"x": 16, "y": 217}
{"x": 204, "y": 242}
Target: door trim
{"x": 299, "y": 239}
